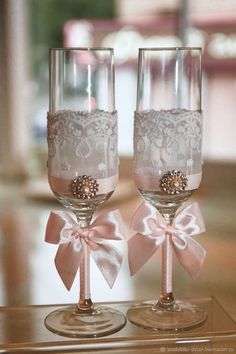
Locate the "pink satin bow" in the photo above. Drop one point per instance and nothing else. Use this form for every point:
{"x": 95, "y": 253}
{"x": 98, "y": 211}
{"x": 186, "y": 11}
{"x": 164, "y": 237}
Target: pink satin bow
{"x": 152, "y": 229}
{"x": 63, "y": 229}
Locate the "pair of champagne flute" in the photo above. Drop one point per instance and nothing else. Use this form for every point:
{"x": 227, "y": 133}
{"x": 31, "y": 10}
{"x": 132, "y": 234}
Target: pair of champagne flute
{"x": 83, "y": 163}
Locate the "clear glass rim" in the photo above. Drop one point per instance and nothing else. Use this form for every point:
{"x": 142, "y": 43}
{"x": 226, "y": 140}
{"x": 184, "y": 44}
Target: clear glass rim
{"x": 169, "y": 48}
{"x": 82, "y": 49}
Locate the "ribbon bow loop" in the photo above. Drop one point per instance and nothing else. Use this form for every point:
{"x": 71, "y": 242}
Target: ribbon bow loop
{"x": 152, "y": 229}
{"x": 62, "y": 229}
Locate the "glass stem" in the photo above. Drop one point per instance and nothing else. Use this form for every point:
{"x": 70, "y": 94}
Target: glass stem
{"x": 166, "y": 298}
{"x": 85, "y": 305}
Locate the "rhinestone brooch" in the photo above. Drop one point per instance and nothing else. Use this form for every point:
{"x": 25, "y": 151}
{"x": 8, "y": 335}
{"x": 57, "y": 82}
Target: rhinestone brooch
{"x": 173, "y": 182}
{"x": 84, "y": 187}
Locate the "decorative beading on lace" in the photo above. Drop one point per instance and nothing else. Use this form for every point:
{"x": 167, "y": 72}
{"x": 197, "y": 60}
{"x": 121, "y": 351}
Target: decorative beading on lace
{"x": 170, "y": 134}
{"x": 77, "y": 128}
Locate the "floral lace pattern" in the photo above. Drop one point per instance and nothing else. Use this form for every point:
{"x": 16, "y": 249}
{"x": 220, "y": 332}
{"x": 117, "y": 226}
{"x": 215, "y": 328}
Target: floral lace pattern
{"x": 76, "y": 128}
{"x": 168, "y": 135}
{"x": 79, "y": 139}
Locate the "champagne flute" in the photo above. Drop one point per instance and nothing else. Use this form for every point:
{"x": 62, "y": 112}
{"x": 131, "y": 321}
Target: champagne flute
{"x": 168, "y": 162}
{"x": 83, "y": 166}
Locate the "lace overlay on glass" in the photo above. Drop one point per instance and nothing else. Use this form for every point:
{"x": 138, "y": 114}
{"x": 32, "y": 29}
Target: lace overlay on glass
{"x": 168, "y": 139}
{"x": 81, "y": 137}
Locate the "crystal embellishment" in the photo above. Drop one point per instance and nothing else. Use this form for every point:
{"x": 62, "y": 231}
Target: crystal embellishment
{"x": 173, "y": 182}
{"x": 84, "y": 187}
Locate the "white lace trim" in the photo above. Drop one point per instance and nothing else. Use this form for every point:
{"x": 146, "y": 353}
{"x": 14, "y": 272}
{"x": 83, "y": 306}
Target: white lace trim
{"x": 168, "y": 135}
{"x": 76, "y": 128}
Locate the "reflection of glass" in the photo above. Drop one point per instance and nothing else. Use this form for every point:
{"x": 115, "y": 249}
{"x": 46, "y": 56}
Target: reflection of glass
{"x": 168, "y": 161}
{"x": 83, "y": 164}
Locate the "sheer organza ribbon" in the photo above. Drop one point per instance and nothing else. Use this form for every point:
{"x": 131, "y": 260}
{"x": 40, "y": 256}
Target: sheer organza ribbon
{"x": 152, "y": 229}
{"x": 62, "y": 229}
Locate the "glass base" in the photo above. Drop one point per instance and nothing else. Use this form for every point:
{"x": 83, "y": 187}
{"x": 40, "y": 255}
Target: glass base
{"x": 179, "y": 317}
{"x": 100, "y": 322}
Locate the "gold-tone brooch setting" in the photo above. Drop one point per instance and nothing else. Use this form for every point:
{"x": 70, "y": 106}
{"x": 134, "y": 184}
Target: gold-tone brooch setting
{"x": 84, "y": 187}
{"x": 173, "y": 182}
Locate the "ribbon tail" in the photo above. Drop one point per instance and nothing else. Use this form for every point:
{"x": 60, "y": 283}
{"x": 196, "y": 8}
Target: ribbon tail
{"x": 191, "y": 257}
{"x": 108, "y": 259}
{"x": 140, "y": 249}
{"x": 67, "y": 262}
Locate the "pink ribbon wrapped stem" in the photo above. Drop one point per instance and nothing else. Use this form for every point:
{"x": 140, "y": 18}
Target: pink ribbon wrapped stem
{"x": 167, "y": 265}
{"x": 85, "y": 303}
{"x": 85, "y": 292}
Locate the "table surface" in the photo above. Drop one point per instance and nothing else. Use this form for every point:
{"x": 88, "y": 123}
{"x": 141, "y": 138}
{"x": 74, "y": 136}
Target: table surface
{"x": 23, "y": 330}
